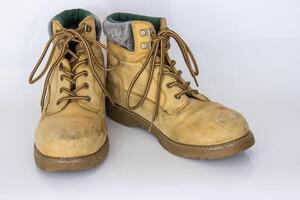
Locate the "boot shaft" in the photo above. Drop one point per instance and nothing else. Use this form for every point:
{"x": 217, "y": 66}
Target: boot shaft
{"x": 75, "y": 63}
{"x": 139, "y": 41}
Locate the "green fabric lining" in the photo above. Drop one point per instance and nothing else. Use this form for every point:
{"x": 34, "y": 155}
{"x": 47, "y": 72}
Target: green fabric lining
{"x": 123, "y": 17}
{"x": 72, "y": 18}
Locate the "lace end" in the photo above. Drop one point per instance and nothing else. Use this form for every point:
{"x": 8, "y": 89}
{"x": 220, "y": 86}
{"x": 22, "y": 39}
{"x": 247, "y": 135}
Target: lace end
{"x": 109, "y": 99}
{"x": 196, "y": 81}
{"x": 150, "y": 127}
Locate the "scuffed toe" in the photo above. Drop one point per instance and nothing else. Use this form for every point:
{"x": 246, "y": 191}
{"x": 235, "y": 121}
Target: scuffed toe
{"x": 212, "y": 124}
{"x": 69, "y": 137}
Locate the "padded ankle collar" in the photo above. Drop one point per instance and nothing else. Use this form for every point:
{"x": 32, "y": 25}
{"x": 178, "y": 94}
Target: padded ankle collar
{"x": 117, "y": 28}
{"x": 126, "y": 17}
{"x": 72, "y": 18}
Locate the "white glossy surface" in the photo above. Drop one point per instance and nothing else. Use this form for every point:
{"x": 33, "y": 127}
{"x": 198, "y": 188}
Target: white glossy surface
{"x": 249, "y": 57}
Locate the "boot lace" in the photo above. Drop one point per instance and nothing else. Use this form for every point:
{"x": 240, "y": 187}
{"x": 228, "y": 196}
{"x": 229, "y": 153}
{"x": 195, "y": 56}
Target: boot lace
{"x": 159, "y": 47}
{"x": 63, "y": 38}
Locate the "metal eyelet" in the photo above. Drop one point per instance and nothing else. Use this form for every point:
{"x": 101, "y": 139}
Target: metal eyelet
{"x": 87, "y": 85}
{"x": 146, "y": 45}
{"x": 145, "y": 32}
{"x": 61, "y": 78}
{"x": 60, "y": 90}
{"x": 89, "y": 98}
{"x": 142, "y": 32}
{"x": 87, "y": 28}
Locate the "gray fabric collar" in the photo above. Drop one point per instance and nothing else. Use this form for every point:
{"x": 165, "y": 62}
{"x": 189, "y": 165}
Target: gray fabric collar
{"x": 120, "y": 33}
{"x": 118, "y": 28}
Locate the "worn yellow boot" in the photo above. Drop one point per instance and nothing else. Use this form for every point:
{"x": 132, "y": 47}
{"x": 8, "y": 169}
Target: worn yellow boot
{"x": 71, "y": 134}
{"x": 148, "y": 91}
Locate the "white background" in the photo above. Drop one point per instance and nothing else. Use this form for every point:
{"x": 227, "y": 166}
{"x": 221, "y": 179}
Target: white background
{"x": 249, "y": 53}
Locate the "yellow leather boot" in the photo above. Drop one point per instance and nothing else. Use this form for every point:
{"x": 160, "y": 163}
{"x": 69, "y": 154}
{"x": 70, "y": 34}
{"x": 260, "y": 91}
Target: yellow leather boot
{"x": 71, "y": 134}
{"x": 147, "y": 91}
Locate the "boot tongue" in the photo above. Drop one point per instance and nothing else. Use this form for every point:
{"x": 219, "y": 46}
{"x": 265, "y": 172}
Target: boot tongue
{"x": 74, "y": 19}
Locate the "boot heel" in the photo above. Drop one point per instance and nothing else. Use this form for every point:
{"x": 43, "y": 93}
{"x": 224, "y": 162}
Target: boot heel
{"x": 121, "y": 116}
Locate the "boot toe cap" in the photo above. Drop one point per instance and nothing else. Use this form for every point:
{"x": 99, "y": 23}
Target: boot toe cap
{"x": 69, "y": 137}
{"x": 213, "y": 125}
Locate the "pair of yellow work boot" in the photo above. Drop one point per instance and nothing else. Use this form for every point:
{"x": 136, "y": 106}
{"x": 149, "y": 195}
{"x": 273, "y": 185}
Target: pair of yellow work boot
{"x": 139, "y": 86}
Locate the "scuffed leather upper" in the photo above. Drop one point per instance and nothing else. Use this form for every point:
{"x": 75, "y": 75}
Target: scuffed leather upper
{"x": 75, "y": 128}
{"x": 193, "y": 121}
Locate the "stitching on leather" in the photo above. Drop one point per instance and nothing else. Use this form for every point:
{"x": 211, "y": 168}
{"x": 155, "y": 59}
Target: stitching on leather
{"x": 44, "y": 157}
{"x": 211, "y": 147}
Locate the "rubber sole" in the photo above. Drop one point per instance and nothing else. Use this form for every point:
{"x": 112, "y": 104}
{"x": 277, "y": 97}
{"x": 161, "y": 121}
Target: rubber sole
{"x": 131, "y": 119}
{"x": 55, "y": 164}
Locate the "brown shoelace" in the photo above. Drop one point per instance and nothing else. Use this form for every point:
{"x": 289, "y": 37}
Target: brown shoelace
{"x": 62, "y": 42}
{"x": 160, "y": 45}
